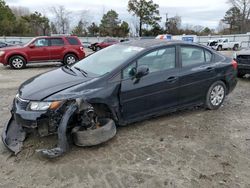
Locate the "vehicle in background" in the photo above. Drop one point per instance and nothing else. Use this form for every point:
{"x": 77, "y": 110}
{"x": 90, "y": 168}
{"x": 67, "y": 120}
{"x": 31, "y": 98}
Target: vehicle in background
{"x": 223, "y": 44}
{"x": 243, "y": 59}
{"x": 124, "y": 40}
{"x": 105, "y": 43}
{"x": 5, "y": 44}
{"x": 15, "y": 42}
{"x": 86, "y": 44}
{"x": 65, "y": 49}
{"x": 124, "y": 83}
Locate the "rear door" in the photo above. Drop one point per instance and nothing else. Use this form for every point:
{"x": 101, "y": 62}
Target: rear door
{"x": 154, "y": 92}
{"x": 197, "y": 73}
{"x": 56, "y": 48}
{"x": 40, "y": 50}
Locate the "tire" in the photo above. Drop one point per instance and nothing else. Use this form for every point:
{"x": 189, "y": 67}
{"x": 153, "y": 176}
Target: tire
{"x": 219, "y": 48}
{"x": 98, "y": 48}
{"x": 236, "y": 47}
{"x": 96, "y": 136}
{"x": 215, "y": 95}
{"x": 17, "y": 62}
{"x": 240, "y": 75}
{"x": 69, "y": 59}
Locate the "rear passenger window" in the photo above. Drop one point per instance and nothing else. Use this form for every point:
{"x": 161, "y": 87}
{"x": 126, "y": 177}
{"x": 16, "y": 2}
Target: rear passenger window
{"x": 72, "y": 41}
{"x": 57, "y": 42}
{"x": 192, "y": 55}
{"x": 208, "y": 56}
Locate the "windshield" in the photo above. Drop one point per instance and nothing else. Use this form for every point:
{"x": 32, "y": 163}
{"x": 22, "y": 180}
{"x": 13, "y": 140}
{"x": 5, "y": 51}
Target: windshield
{"x": 107, "y": 59}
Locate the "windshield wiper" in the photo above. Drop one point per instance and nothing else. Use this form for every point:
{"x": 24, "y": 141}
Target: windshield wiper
{"x": 69, "y": 68}
{"x": 84, "y": 73}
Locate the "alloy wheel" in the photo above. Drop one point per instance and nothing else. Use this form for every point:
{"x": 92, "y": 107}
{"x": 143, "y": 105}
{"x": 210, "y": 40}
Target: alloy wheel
{"x": 217, "y": 95}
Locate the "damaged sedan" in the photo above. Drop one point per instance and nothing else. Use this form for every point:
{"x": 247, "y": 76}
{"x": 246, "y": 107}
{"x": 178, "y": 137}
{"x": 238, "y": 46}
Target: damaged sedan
{"x": 124, "y": 83}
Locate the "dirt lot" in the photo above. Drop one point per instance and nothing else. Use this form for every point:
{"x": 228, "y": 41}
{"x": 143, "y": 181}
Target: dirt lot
{"x": 192, "y": 148}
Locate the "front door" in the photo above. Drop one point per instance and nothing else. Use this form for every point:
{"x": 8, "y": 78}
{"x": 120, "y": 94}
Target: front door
{"x": 40, "y": 51}
{"x": 154, "y": 92}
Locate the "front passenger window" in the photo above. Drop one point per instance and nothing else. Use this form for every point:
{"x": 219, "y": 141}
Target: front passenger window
{"x": 159, "y": 60}
{"x": 41, "y": 42}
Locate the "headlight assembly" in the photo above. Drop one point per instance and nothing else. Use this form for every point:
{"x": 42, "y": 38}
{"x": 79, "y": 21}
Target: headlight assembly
{"x": 41, "y": 106}
{"x": 2, "y": 53}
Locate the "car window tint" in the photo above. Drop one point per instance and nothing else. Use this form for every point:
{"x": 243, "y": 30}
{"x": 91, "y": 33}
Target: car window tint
{"x": 72, "y": 40}
{"x": 159, "y": 60}
{"x": 57, "y": 42}
{"x": 192, "y": 55}
{"x": 128, "y": 72}
{"x": 208, "y": 56}
{"x": 41, "y": 42}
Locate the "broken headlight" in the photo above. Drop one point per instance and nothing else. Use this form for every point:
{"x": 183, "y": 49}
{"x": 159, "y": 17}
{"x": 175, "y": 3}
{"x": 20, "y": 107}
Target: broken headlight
{"x": 41, "y": 106}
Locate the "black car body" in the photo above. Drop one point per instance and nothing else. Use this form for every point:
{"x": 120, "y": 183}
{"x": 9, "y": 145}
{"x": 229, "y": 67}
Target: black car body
{"x": 243, "y": 59}
{"x": 126, "y": 82}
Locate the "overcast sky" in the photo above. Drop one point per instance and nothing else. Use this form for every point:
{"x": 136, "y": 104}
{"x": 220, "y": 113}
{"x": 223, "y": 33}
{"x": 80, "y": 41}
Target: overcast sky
{"x": 195, "y": 12}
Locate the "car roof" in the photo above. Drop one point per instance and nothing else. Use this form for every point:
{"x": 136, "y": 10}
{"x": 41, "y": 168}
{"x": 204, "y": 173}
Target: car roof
{"x": 147, "y": 43}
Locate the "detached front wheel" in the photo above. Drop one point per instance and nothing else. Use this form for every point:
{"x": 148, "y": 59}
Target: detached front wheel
{"x": 215, "y": 95}
{"x": 17, "y": 62}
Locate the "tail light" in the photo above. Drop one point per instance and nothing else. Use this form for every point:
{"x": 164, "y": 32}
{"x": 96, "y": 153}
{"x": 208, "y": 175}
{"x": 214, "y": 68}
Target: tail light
{"x": 234, "y": 64}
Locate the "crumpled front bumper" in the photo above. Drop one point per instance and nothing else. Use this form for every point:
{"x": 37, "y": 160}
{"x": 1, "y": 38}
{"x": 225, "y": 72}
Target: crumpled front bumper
{"x": 13, "y": 136}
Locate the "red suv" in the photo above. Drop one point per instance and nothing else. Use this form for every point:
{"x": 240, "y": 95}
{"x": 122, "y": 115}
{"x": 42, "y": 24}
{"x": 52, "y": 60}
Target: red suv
{"x": 66, "y": 49}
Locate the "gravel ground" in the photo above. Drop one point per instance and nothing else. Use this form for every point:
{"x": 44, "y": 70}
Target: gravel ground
{"x": 191, "y": 148}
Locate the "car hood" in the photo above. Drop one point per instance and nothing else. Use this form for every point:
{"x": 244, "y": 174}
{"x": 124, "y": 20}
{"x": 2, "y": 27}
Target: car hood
{"x": 244, "y": 52}
{"x": 47, "y": 84}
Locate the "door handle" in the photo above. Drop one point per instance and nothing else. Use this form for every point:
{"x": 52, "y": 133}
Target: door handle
{"x": 172, "y": 79}
{"x": 209, "y": 69}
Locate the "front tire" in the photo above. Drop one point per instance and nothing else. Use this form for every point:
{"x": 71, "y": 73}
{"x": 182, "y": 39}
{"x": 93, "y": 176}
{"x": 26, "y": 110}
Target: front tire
{"x": 215, "y": 95}
{"x": 98, "y": 48}
{"x": 69, "y": 59}
{"x": 17, "y": 62}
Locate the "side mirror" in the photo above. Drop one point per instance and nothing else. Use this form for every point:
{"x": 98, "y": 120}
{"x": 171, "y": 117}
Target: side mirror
{"x": 141, "y": 71}
{"x": 32, "y": 46}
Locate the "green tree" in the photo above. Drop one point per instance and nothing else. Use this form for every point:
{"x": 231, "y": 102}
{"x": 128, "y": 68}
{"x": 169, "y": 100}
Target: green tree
{"x": 123, "y": 29}
{"x": 109, "y": 23}
{"x": 233, "y": 19}
{"x": 93, "y": 30}
{"x": 39, "y": 25}
{"x": 244, "y": 7}
{"x": 7, "y": 19}
{"x": 146, "y": 11}
{"x": 79, "y": 30}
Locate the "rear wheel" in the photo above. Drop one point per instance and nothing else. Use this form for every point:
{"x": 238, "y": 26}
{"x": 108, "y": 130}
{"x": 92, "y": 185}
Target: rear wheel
{"x": 219, "y": 48}
{"x": 69, "y": 59}
{"x": 17, "y": 62}
{"x": 236, "y": 47}
{"x": 215, "y": 95}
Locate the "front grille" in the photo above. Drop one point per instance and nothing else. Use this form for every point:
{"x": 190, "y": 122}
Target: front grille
{"x": 21, "y": 103}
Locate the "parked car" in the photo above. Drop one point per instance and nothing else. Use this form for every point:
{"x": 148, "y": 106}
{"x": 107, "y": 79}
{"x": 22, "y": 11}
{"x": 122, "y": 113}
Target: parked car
{"x": 223, "y": 44}
{"x": 86, "y": 44}
{"x": 121, "y": 84}
{"x": 105, "y": 43}
{"x": 243, "y": 59}
{"x": 66, "y": 49}
{"x": 15, "y": 42}
{"x": 4, "y": 44}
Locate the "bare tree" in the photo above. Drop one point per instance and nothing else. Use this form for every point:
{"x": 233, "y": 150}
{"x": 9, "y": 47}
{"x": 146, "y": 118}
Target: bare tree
{"x": 244, "y": 7}
{"x": 61, "y": 19}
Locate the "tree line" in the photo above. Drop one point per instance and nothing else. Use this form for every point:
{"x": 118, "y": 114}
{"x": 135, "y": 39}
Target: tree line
{"x": 19, "y": 21}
